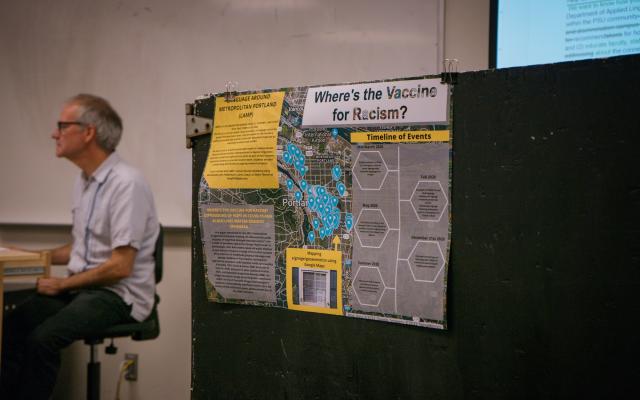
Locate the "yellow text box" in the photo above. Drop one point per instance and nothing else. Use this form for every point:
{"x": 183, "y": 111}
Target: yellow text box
{"x": 243, "y": 144}
{"x": 314, "y": 259}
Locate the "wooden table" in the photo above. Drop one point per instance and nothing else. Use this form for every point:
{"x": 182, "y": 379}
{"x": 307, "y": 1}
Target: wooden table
{"x": 9, "y": 257}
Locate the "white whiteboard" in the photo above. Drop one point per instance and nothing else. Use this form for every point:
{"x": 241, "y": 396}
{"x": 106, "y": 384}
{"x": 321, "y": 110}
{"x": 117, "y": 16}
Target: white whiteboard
{"x": 149, "y": 58}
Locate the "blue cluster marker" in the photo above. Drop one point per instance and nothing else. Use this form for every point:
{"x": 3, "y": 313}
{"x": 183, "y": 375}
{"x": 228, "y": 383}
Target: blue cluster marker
{"x": 334, "y": 133}
{"x": 320, "y": 201}
{"x": 336, "y": 172}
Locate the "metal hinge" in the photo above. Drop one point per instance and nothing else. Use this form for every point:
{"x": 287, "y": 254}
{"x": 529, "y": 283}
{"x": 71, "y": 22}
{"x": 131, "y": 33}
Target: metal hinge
{"x": 196, "y": 126}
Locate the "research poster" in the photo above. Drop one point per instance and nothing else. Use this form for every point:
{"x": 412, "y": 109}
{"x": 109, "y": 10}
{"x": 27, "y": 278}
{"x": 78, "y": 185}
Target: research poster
{"x": 332, "y": 199}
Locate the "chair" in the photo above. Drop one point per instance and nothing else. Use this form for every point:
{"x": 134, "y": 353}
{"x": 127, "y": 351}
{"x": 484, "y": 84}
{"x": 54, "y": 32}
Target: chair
{"x": 145, "y": 330}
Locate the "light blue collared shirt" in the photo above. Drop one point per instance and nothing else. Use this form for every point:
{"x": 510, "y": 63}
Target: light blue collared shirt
{"x": 114, "y": 207}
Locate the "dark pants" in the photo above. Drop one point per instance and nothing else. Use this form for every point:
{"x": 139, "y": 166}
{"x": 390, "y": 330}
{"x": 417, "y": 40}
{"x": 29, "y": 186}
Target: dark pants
{"x": 39, "y": 327}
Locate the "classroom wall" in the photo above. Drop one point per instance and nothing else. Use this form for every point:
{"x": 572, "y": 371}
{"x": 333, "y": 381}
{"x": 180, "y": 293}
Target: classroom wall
{"x": 165, "y": 363}
{"x": 466, "y": 33}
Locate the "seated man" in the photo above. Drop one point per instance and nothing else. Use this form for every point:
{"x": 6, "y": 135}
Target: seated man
{"x": 110, "y": 261}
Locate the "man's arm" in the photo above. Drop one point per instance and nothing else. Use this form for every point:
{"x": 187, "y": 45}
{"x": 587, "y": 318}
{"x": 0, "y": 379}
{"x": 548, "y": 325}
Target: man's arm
{"x": 117, "y": 267}
{"x": 61, "y": 255}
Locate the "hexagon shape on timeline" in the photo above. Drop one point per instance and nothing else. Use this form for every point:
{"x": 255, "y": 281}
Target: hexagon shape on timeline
{"x": 426, "y": 261}
{"x": 370, "y": 170}
{"x": 368, "y": 286}
{"x": 371, "y": 227}
{"x": 429, "y": 201}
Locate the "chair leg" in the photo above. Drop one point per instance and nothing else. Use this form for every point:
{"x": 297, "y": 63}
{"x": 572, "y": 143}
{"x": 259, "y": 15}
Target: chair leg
{"x": 93, "y": 374}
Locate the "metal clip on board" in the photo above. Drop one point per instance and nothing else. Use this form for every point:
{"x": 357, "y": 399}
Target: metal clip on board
{"x": 449, "y": 73}
{"x": 231, "y": 90}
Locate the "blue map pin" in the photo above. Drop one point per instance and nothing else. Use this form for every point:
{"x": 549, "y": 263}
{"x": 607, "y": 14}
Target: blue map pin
{"x": 286, "y": 156}
{"x": 289, "y": 184}
{"x": 316, "y": 223}
{"x": 337, "y": 223}
{"x": 336, "y": 172}
{"x": 334, "y": 201}
{"x": 303, "y": 170}
{"x": 312, "y": 202}
{"x": 298, "y": 195}
{"x": 348, "y": 223}
{"x": 325, "y": 219}
{"x": 334, "y": 132}
{"x": 342, "y": 189}
{"x": 323, "y": 233}
{"x": 311, "y": 236}
{"x": 303, "y": 185}
{"x": 321, "y": 190}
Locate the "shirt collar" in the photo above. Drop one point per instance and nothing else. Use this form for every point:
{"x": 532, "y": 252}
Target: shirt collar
{"x": 100, "y": 174}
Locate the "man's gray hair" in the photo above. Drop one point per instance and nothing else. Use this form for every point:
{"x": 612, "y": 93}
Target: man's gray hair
{"x": 98, "y": 112}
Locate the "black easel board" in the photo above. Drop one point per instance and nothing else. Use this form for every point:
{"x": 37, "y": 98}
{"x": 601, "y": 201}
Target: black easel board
{"x": 545, "y": 262}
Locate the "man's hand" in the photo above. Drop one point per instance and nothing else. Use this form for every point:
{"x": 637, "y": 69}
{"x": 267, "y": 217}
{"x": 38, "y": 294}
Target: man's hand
{"x": 50, "y": 286}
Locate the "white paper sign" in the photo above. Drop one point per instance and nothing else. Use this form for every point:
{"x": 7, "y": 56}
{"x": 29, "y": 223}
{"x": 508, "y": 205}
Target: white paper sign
{"x": 415, "y": 101}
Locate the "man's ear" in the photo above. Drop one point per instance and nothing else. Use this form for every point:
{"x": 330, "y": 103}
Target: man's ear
{"x": 90, "y": 133}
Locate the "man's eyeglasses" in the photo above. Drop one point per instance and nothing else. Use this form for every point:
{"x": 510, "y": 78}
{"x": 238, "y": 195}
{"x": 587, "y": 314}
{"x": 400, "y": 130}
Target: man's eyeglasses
{"x": 62, "y": 125}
